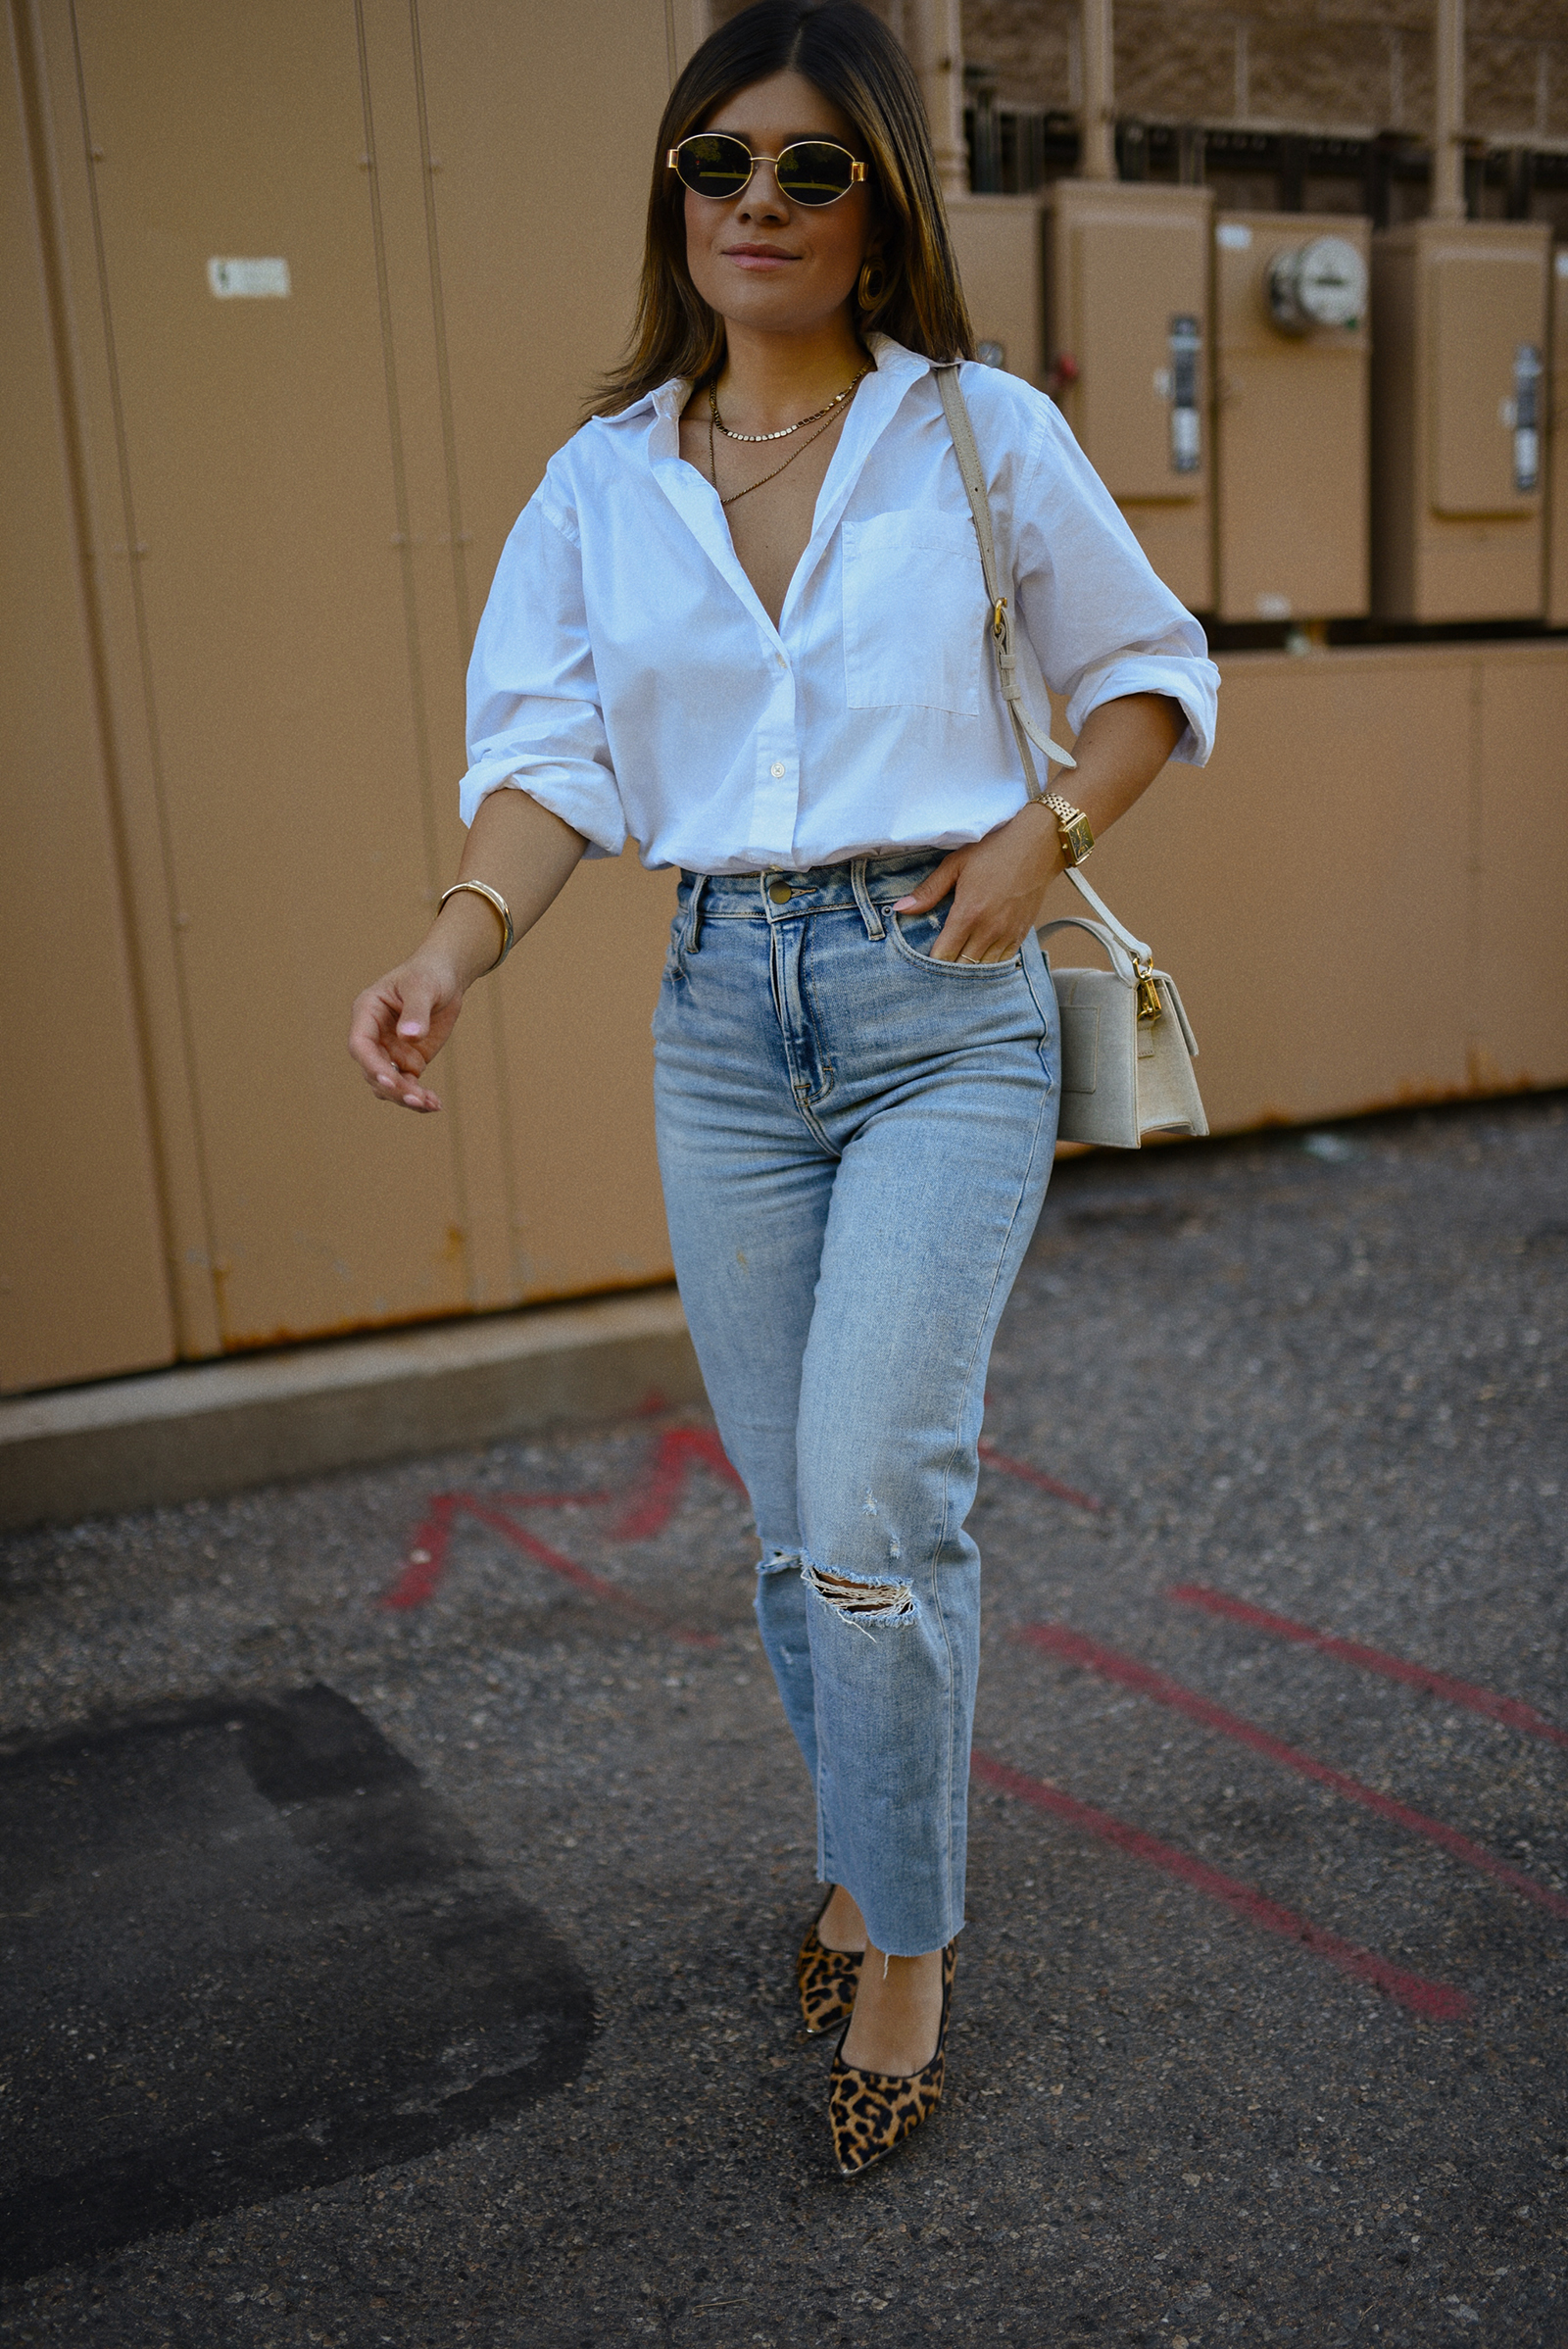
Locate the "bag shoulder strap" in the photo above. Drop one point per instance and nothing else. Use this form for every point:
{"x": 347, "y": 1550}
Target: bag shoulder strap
{"x": 1024, "y": 728}
{"x": 956, "y": 410}
{"x": 1135, "y": 946}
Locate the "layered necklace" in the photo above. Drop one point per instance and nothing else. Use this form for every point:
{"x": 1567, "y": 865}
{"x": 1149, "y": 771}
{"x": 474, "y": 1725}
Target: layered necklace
{"x": 716, "y": 422}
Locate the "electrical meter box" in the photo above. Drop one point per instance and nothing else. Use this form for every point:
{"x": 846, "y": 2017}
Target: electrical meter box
{"x": 1000, "y": 244}
{"x": 1291, "y": 353}
{"x": 1458, "y": 377}
{"x": 1557, "y": 447}
{"x": 1127, "y": 329}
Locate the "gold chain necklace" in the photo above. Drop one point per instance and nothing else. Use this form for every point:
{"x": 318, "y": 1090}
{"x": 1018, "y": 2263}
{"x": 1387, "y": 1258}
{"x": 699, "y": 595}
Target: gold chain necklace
{"x": 785, "y": 430}
{"x": 799, "y": 449}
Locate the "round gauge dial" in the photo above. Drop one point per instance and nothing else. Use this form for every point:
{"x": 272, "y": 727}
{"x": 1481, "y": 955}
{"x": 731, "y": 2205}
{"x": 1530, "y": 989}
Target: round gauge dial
{"x": 1320, "y": 284}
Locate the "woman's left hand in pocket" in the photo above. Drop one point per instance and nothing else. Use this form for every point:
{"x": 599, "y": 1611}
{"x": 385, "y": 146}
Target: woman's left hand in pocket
{"x": 995, "y": 884}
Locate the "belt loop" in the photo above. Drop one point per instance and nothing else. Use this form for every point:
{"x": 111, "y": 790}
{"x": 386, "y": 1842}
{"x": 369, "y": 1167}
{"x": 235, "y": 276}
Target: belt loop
{"x": 863, "y": 898}
{"x": 692, "y": 923}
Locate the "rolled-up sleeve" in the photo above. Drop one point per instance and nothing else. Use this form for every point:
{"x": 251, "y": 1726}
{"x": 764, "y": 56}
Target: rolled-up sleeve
{"x": 535, "y": 722}
{"x": 1100, "y": 620}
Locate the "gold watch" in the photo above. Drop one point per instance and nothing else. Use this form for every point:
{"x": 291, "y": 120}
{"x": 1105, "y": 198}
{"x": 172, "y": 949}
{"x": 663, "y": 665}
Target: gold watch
{"x": 1071, "y": 822}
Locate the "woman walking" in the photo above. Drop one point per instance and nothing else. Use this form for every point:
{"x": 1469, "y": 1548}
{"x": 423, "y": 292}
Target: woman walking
{"x": 742, "y": 623}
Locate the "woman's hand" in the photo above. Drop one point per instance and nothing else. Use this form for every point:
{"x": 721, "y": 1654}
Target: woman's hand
{"x": 399, "y": 1024}
{"x": 515, "y": 847}
{"x": 996, "y": 885}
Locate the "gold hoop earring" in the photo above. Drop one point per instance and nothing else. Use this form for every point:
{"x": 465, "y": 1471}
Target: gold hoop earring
{"x": 871, "y": 297}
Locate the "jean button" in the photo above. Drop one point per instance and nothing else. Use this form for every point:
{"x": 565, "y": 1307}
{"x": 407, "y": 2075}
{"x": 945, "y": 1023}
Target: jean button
{"x": 781, "y": 893}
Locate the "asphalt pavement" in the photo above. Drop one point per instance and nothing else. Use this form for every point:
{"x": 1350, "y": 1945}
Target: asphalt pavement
{"x": 403, "y": 1869}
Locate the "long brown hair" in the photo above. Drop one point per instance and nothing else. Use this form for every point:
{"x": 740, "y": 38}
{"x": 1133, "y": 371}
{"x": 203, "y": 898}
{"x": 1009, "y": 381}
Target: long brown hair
{"x": 851, "y": 58}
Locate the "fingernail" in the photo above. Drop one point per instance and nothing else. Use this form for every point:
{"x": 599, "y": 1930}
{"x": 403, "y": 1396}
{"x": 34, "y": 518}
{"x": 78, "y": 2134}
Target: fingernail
{"x": 389, "y": 1082}
{"x": 409, "y": 1027}
{"x": 902, "y": 904}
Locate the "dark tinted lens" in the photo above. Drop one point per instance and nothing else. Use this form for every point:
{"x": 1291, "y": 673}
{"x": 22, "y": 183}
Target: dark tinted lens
{"x": 813, "y": 172}
{"x": 712, "y": 165}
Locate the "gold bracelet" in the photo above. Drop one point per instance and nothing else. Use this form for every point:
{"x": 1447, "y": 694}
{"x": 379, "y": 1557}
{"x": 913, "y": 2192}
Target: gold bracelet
{"x": 498, "y": 906}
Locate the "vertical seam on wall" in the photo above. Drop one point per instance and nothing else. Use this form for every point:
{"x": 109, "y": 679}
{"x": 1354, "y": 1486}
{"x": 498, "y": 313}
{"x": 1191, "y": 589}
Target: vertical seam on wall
{"x": 27, "y": 35}
{"x": 458, "y": 537}
{"x": 1475, "y": 877}
{"x": 404, "y": 549}
{"x": 670, "y": 52}
{"x": 448, "y": 436}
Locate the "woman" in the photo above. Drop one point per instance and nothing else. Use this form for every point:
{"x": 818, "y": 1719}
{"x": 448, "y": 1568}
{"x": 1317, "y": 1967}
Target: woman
{"x": 742, "y": 623}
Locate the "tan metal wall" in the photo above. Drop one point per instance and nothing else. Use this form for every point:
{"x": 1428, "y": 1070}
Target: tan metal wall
{"x": 82, "y": 1274}
{"x": 1363, "y": 896}
{"x": 289, "y": 510}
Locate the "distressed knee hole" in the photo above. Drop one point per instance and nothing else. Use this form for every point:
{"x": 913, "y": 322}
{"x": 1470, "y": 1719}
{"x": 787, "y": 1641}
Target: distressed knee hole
{"x": 861, "y": 1601}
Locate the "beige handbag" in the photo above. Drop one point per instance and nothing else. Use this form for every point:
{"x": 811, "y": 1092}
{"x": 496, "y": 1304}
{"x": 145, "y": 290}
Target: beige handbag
{"x": 1127, "y": 1044}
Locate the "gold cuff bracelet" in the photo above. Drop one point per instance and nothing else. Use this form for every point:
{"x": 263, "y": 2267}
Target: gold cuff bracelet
{"x": 498, "y": 906}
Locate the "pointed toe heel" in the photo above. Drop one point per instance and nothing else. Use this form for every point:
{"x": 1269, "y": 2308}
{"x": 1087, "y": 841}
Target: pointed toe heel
{"x": 826, "y": 1979}
{"x": 872, "y": 2112}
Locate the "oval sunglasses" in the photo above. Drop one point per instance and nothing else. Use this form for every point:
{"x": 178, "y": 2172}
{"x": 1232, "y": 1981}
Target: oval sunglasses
{"x": 811, "y": 171}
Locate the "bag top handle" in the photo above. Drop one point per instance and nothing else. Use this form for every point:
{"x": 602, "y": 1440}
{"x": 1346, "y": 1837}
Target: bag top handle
{"x": 1120, "y": 962}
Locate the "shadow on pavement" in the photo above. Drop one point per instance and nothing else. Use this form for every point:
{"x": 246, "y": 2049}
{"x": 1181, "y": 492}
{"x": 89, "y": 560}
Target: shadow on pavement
{"x": 247, "y": 1952}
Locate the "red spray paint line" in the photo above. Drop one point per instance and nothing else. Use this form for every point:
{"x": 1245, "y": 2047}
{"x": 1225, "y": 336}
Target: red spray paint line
{"x": 1434, "y": 2001}
{"x": 1037, "y": 1476}
{"x": 427, "y": 1563}
{"x": 428, "y": 1553}
{"x": 653, "y": 1505}
{"x": 1466, "y": 1693}
{"x": 1073, "y": 1648}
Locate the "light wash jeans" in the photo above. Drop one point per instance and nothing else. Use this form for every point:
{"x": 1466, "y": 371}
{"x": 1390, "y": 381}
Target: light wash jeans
{"x": 855, "y": 1142}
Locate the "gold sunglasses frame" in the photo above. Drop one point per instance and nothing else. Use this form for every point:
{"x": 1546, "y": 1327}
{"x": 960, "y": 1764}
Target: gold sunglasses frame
{"x": 672, "y": 164}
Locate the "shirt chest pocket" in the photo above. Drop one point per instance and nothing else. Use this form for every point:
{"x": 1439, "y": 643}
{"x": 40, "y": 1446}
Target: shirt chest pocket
{"x": 914, "y": 613}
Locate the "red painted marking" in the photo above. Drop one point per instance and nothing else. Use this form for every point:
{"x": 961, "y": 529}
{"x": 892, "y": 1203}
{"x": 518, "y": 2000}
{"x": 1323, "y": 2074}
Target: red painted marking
{"x": 1436, "y": 2001}
{"x": 1466, "y": 1693}
{"x": 1074, "y": 1648}
{"x": 428, "y": 1557}
{"x": 655, "y": 1504}
{"x": 1037, "y": 1476}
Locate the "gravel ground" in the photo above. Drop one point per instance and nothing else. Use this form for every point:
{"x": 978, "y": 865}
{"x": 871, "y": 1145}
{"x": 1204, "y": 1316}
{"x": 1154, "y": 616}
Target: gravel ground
{"x": 1240, "y": 2052}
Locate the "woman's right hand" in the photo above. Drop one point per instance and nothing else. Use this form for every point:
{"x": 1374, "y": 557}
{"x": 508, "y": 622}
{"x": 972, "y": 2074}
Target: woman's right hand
{"x": 517, "y": 848}
{"x": 399, "y": 1024}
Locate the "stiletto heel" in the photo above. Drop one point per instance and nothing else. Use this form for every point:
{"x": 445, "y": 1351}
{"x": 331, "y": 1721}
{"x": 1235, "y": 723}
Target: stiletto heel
{"x": 869, "y": 2113}
{"x": 826, "y": 1979}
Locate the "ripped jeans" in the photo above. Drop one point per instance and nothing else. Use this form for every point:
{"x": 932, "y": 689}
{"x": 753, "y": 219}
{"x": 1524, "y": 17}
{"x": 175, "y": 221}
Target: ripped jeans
{"x": 855, "y": 1141}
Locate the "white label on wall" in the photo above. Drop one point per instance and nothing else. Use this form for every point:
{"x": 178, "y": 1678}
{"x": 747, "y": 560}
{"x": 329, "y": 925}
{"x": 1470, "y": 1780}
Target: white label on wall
{"x": 1273, "y": 608}
{"x": 248, "y": 280}
{"x": 1234, "y": 235}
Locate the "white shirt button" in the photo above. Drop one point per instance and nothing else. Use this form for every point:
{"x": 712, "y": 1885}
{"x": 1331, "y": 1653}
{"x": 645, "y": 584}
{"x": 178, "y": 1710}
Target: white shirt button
{"x": 777, "y": 768}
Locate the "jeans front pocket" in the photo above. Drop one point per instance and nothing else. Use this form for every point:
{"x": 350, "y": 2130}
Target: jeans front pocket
{"x": 928, "y": 929}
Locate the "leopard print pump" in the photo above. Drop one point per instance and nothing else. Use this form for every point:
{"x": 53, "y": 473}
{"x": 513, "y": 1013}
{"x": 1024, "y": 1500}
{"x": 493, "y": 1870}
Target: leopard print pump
{"x": 869, "y": 2113}
{"x": 826, "y": 1979}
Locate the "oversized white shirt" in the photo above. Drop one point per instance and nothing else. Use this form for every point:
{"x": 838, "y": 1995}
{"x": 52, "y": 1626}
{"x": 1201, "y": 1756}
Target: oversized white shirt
{"x": 626, "y": 675}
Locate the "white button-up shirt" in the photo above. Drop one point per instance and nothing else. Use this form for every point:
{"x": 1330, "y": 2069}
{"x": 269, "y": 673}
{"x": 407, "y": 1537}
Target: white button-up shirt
{"x": 626, "y": 675}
